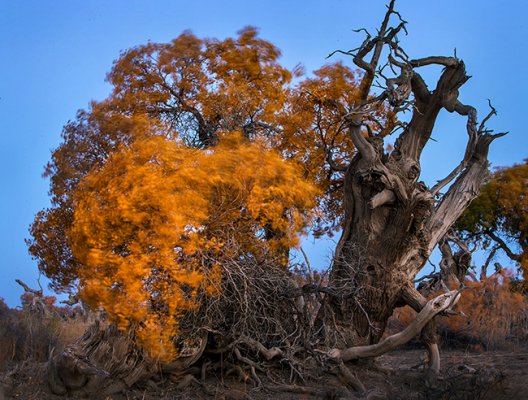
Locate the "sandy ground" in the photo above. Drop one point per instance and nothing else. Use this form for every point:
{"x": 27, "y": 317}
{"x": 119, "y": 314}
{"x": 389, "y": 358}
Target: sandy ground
{"x": 398, "y": 375}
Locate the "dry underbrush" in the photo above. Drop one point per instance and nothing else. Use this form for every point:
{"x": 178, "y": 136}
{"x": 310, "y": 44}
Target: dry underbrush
{"x": 495, "y": 318}
{"x": 26, "y": 335}
{"x": 491, "y": 315}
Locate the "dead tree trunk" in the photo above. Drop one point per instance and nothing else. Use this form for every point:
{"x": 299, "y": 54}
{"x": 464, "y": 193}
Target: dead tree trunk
{"x": 393, "y": 221}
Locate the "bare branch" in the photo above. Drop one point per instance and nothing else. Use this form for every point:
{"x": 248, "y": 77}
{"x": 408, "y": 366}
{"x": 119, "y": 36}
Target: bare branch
{"x": 28, "y": 289}
{"x": 492, "y": 112}
{"x": 429, "y": 311}
{"x": 438, "y": 60}
{"x": 419, "y": 87}
{"x": 332, "y": 163}
{"x": 362, "y": 145}
{"x": 267, "y": 353}
{"x": 503, "y": 245}
{"x": 484, "y": 269}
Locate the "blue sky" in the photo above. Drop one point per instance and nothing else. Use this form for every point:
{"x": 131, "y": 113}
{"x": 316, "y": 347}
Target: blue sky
{"x": 56, "y": 54}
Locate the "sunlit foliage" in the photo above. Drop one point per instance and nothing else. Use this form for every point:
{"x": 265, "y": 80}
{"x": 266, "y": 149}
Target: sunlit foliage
{"x": 186, "y": 157}
{"x": 149, "y": 224}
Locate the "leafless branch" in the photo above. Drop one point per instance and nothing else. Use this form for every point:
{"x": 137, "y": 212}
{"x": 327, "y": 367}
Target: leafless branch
{"x": 429, "y": 311}
{"x": 502, "y": 244}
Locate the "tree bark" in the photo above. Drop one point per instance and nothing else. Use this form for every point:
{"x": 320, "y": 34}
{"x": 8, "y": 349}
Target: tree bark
{"x": 392, "y": 221}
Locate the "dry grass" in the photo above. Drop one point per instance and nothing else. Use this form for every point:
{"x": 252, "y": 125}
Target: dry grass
{"x": 30, "y": 336}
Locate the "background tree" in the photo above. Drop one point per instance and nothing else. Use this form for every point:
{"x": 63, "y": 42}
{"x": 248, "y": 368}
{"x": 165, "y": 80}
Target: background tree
{"x": 497, "y": 220}
{"x": 492, "y": 311}
{"x": 191, "y": 90}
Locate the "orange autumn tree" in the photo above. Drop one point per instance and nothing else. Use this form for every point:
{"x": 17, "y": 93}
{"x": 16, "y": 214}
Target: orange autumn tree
{"x": 149, "y": 223}
{"x": 190, "y": 90}
{"x": 187, "y": 90}
{"x": 194, "y": 250}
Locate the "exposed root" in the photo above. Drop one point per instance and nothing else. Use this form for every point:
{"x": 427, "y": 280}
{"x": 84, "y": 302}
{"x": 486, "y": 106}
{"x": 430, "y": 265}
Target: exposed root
{"x": 351, "y": 379}
{"x": 252, "y": 365}
{"x": 192, "y": 355}
{"x": 267, "y": 353}
{"x": 433, "y": 358}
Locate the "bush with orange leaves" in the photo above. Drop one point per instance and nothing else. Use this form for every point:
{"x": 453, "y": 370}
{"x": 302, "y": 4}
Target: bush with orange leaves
{"x": 151, "y": 225}
{"x": 492, "y": 315}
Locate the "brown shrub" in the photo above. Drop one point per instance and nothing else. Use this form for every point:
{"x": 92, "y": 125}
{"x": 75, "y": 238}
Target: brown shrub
{"x": 495, "y": 316}
{"x": 26, "y": 335}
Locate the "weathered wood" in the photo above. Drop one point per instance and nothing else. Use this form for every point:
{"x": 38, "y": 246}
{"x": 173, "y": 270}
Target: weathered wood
{"x": 430, "y": 310}
{"x": 392, "y": 221}
{"x": 102, "y": 361}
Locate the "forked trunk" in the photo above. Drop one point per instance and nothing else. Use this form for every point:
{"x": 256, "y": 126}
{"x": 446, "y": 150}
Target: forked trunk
{"x": 392, "y": 221}
{"x": 382, "y": 247}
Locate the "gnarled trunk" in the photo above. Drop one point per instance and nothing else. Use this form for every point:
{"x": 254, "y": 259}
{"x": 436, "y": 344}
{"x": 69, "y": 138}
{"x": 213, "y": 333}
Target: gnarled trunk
{"x": 392, "y": 221}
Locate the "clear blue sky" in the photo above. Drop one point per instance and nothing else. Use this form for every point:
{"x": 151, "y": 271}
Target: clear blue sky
{"x": 56, "y": 54}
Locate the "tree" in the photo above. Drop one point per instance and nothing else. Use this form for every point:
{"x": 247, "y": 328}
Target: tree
{"x": 194, "y": 178}
{"x": 498, "y": 218}
{"x": 153, "y": 223}
{"x": 187, "y": 90}
{"x": 492, "y": 309}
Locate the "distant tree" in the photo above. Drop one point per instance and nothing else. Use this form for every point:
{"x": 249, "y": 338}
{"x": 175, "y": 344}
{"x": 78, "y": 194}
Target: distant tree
{"x": 497, "y": 220}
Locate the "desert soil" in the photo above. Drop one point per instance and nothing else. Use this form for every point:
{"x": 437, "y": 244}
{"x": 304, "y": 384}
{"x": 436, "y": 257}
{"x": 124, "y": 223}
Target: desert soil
{"x": 398, "y": 375}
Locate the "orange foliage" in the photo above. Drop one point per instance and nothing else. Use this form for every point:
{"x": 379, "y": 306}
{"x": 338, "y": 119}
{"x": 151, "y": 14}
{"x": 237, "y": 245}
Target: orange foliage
{"x": 183, "y": 165}
{"x": 493, "y": 312}
{"x": 198, "y": 86}
{"x": 150, "y": 223}
{"x": 193, "y": 91}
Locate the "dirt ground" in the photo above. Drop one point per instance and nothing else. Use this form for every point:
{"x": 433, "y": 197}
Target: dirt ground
{"x": 398, "y": 375}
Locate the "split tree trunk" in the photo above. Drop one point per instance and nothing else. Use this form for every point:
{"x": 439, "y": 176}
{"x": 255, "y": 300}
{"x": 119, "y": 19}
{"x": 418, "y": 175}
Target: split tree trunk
{"x": 392, "y": 221}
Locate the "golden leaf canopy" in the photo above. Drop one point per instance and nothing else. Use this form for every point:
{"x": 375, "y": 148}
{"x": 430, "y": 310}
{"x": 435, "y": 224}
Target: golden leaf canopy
{"x": 150, "y": 223}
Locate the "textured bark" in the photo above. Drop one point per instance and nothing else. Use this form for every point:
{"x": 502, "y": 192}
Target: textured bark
{"x": 102, "y": 361}
{"x": 392, "y": 221}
